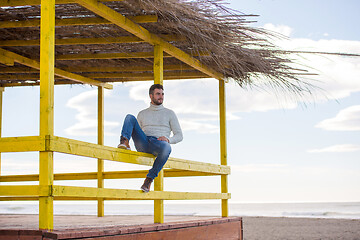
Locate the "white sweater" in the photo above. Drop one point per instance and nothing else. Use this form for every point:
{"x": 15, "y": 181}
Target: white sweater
{"x": 158, "y": 121}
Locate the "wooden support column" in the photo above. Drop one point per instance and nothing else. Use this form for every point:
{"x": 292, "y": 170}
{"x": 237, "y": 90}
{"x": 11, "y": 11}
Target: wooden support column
{"x": 1, "y": 105}
{"x": 159, "y": 181}
{"x": 100, "y": 172}
{"x": 47, "y": 52}
{"x": 158, "y": 64}
{"x": 223, "y": 150}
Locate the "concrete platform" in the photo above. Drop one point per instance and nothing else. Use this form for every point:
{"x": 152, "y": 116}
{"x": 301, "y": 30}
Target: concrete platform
{"x": 24, "y": 227}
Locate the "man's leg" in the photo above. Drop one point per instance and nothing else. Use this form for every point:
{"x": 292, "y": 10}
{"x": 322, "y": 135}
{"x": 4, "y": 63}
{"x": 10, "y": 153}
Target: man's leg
{"x": 131, "y": 128}
{"x": 161, "y": 150}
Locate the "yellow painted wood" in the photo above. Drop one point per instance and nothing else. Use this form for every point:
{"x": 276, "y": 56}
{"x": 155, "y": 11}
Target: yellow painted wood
{"x": 139, "y": 31}
{"x": 158, "y": 65}
{"x": 17, "y": 3}
{"x": 22, "y": 144}
{"x": 75, "y": 147}
{"x": 123, "y": 194}
{"x": 1, "y": 106}
{"x": 75, "y": 21}
{"x": 25, "y": 190}
{"x": 223, "y": 148}
{"x": 47, "y": 62}
{"x": 80, "y": 41}
{"x": 100, "y": 69}
{"x": 129, "y": 55}
{"x": 61, "y": 73}
{"x": 100, "y": 177}
{"x": 106, "y": 175}
{"x": 159, "y": 204}
{"x": 6, "y": 61}
{"x": 142, "y": 76}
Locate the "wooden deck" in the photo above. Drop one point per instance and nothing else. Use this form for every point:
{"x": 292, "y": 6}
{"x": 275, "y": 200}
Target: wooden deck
{"x": 21, "y": 227}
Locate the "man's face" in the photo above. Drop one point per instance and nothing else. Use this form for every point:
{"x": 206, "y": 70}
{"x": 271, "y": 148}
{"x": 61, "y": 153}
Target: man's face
{"x": 157, "y": 97}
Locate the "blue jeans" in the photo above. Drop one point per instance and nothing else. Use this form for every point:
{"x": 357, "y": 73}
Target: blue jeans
{"x": 146, "y": 144}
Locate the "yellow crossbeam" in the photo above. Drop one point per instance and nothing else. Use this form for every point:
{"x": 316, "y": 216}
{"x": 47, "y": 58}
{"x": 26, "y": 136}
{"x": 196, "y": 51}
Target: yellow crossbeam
{"x": 17, "y": 3}
{"x": 22, "y": 144}
{"x": 75, "y": 21}
{"x": 116, "y": 55}
{"x": 106, "y": 175}
{"x": 26, "y": 190}
{"x": 6, "y": 61}
{"x": 58, "y": 72}
{"x": 139, "y": 31}
{"x": 125, "y": 194}
{"x": 100, "y": 69}
{"x": 80, "y": 41}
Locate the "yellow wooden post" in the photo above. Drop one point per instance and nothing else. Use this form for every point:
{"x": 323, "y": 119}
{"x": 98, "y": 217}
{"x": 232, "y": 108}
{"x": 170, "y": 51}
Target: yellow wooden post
{"x": 158, "y": 64}
{"x": 100, "y": 174}
{"x": 47, "y": 51}
{"x": 1, "y": 103}
{"x": 223, "y": 151}
{"x": 159, "y": 181}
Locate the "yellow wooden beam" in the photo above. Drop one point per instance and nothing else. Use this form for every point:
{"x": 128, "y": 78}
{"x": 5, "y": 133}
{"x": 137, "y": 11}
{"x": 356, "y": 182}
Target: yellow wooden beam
{"x": 25, "y": 190}
{"x": 223, "y": 148}
{"x": 6, "y": 61}
{"x": 17, "y": 3}
{"x": 178, "y": 67}
{"x": 106, "y": 175}
{"x": 75, "y": 21}
{"x": 22, "y": 144}
{"x": 125, "y": 194}
{"x": 75, "y": 147}
{"x": 139, "y": 31}
{"x": 58, "y": 72}
{"x": 146, "y": 76}
{"x": 125, "y": 55}
{"x": 47, "y": 62}
{"x": 158, "y": 65}
{"x": 81, "y": 41}
{"x": 159, "y": 204}
{"x": 100, "y": 165}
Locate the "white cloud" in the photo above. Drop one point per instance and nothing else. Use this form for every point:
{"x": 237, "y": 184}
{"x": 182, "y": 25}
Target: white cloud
{"x": 347, "y": 119}
{"x": 86, "y": 105}
{"x": 282, "y": 29}
{"x": 337, "y": 149}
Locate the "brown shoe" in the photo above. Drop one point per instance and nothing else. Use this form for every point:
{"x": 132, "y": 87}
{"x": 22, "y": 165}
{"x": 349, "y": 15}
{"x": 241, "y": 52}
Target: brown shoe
{"x": 124, "y": 143}
{"x": 146, "y": 186}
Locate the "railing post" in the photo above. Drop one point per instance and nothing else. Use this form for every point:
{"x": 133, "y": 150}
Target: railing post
{"x": 100, "y": 172}
{"x": 47, "y": 59}
{"x": 1, "y": 105}
{"x": 159, "y": 181}
{"x": 223, "y": 150}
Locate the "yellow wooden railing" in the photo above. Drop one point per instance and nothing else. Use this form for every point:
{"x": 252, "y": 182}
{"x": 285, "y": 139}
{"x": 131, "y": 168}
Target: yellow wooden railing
{"x": 46, "y": 143}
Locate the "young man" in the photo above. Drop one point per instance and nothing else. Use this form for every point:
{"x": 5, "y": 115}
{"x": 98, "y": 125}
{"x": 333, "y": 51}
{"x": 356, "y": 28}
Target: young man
{"x": 151, "y": 132}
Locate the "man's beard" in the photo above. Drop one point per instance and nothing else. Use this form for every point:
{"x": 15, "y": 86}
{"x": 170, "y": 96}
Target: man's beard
{"x": 157, "y": 102}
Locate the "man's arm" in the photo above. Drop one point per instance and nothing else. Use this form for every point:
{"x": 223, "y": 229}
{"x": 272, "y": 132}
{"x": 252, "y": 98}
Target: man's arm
{"x": 176, "y": 129}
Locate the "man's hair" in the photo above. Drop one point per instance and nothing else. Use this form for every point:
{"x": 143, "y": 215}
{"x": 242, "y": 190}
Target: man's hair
{"x": 155, "y": 86}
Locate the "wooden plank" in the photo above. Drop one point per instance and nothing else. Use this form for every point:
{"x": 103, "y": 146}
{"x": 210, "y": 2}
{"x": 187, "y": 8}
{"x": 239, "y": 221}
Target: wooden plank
{"x": 125, "y": 194}
{"x": 25, "y": 190}
{"x": 22, "y": 144}
{"x": 64, "y": 145}
{"x": 18, "y": 3}
{"x": 139, "y": 31}
{"x": 75, "y": 21}
{"x": 58, "y": 72}
{"x": 82, "y": 41}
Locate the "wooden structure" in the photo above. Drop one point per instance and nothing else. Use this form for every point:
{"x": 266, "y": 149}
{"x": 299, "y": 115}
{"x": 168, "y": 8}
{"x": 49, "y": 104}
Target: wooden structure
{"x": 21, "y": 66}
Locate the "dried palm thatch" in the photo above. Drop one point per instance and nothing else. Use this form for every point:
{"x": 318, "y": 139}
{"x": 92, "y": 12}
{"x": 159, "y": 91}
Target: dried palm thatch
{"x": 216, "y": 35}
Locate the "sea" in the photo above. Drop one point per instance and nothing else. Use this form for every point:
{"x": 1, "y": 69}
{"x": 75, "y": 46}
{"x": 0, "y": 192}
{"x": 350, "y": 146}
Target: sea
{"x": 339, "y": 210}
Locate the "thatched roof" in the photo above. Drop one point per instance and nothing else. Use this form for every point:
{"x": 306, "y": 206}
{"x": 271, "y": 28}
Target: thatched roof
{"x": 206, "y": 29}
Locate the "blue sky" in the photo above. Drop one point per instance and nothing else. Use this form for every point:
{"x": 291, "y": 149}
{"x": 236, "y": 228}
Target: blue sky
{"x": 280, "y": 150}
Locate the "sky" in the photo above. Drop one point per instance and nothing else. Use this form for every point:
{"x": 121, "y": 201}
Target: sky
{"x": 280, "y": 149}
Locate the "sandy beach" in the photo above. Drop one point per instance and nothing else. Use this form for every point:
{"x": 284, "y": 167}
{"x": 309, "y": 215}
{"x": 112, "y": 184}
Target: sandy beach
{"x": 269, "y": 228}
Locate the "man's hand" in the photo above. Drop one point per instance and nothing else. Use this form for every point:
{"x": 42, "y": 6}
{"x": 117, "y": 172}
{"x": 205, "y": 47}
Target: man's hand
{"x": 163, "y": 139}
